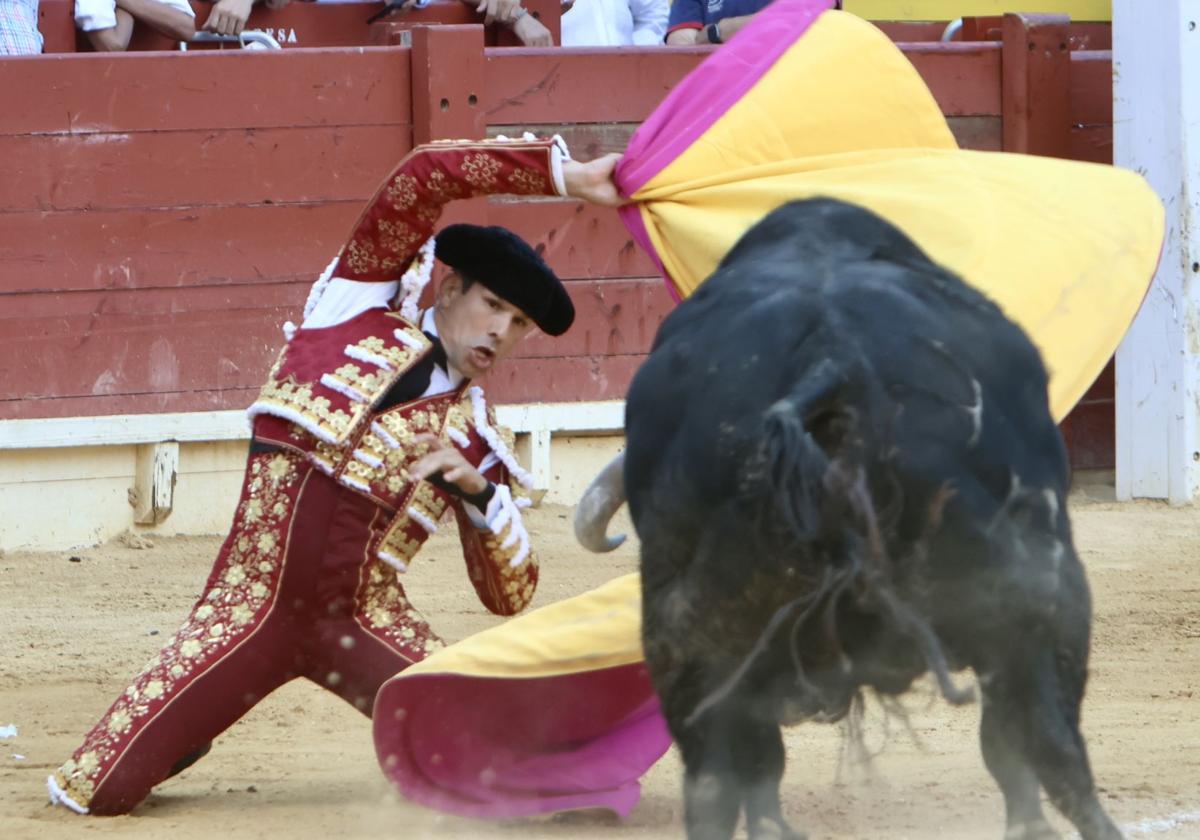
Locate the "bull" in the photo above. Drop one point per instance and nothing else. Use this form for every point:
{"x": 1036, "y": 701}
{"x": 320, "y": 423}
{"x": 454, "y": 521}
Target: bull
{"x": 844, "y": 474}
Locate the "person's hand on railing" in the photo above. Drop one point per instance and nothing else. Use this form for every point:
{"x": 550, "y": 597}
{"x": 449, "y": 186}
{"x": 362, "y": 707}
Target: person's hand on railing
{"x": 498, "y": 11}
{"x": 228, "y": 17}
{"x": 530, "y": 31}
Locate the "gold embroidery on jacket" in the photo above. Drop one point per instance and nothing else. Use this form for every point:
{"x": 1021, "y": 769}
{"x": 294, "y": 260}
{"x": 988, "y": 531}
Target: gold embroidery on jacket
{"x": 442, "y": 189}
{"x": 427, "y": 502}
{"x": 402, "y": 191}
{"x": 327, "y": 456}
{"x": 514, "y": 584}
{"x": 396, "y": 542}
{"x": 458, "y": 418}
{"x": 398, "y": 356}
{"x": 290, "y": 396}
{"x": 387, "y": 612}
{"x": 368, "y": 386}
{"x": 360, "y": 256}
{"x": 398, "y": 237}
{"x": 480, "y": 170}
{"x": 527, "y": 182}
{"x": 303, "y": 405}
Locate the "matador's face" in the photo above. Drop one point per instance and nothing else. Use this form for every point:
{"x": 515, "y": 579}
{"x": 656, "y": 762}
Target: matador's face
{"x": 477, "y": 327}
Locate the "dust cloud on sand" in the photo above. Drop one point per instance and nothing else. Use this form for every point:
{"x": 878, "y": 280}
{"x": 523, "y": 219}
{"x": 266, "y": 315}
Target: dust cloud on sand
{"x": 301, "y": 764}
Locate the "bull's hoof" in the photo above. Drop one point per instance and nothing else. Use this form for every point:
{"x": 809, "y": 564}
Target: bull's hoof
{"x": 769, "y": 829}
{"x": 1037, "y": 829}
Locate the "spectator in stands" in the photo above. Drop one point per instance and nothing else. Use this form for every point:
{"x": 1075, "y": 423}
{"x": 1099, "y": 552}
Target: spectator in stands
{"x": 614, "y": 23}
{"x": 18, "y": 28}
{"x": 711, "y": 21}
{"x": 228, "y": 17}
{"x": 108, "y": 24}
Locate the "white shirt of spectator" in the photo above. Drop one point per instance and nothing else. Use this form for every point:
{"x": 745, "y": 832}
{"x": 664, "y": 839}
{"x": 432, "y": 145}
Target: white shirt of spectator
{"x": 615, "y": 23}
{"x": 91, "y": 15}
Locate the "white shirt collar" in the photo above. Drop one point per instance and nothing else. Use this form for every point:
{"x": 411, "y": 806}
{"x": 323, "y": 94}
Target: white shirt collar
{"x": 429, "y": 325}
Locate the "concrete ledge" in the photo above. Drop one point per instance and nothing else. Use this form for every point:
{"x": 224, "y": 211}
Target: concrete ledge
{"x": 125, "y": 429}
{"x": 69, "y": 482}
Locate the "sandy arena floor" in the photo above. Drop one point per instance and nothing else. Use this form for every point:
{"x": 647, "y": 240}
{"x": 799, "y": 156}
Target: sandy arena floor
{"x": 301, "y": 764}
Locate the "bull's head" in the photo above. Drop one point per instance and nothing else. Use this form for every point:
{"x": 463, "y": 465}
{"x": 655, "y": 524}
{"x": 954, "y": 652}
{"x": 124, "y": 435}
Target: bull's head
{"x": 600, "y": 502}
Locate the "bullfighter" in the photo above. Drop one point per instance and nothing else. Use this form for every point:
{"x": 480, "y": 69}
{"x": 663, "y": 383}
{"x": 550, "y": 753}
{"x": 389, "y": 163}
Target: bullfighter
{"x": 366, "y": 432}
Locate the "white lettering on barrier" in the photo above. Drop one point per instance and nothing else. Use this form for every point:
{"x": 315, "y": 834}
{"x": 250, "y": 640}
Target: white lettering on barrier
{"x": 283, "y": 35}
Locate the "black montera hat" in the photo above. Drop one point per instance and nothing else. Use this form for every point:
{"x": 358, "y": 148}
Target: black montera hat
{"x": 505, "y": 264}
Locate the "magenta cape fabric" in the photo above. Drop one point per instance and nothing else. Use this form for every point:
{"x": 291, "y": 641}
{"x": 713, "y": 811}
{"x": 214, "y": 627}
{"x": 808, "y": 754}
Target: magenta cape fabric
{"x": 497, "y": 748}
{"x": 703, "y": 97}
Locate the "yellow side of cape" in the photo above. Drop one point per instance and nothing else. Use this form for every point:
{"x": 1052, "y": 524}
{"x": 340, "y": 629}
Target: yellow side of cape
{"x": 1090, "y": 10}
{"x": 598, "y": 629}
{"x": 1065, "y": 248}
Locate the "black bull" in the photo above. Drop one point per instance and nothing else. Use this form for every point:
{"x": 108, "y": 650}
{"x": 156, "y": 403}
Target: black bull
{"x": 844, "y": 473}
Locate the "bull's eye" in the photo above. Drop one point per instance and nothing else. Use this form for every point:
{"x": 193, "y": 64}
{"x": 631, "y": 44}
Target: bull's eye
{"x": 829, "y": 428}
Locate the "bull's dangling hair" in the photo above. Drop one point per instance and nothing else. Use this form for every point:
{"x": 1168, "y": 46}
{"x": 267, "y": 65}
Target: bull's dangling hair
{"x": 809, "y": 469}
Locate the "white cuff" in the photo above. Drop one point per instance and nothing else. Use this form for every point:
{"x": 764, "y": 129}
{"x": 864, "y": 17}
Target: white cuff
{"x": 490, "y": 519}
{"x": 558, "y": 153}
{"x": 501, "y": 512}
{"x": 478, "y": 518}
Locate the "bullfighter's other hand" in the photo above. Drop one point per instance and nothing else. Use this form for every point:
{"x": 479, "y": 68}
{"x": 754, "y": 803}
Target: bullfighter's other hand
{"x": 448, "y": 461}
{"x": 593, "y": 181}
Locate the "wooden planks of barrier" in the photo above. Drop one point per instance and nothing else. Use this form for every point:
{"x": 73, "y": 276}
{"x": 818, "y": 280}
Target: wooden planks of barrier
{"x": 161, "y": 215}
{"x": 155, "y": 232}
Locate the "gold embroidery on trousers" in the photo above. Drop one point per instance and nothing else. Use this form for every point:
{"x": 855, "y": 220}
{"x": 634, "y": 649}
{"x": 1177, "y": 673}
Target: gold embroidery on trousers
{"x": 247, "y": 576}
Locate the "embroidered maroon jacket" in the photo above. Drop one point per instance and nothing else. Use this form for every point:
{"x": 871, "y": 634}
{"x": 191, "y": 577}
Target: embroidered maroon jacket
{"x": 320, "y": 396}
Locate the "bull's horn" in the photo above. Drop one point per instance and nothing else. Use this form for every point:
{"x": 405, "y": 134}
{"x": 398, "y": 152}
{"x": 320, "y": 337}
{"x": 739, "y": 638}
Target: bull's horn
{"x": 600, "y": 502}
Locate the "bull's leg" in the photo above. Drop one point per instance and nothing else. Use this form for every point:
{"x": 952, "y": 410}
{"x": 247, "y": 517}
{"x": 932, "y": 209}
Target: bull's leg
{"x": 760, "y": 762}
{"x": 1056, "y": 747}
{"x": 733, "y": 760}
{"x": 711, "y": 794}
{"x": 1030, "y": 730}
{"x": 1001, "y": 735}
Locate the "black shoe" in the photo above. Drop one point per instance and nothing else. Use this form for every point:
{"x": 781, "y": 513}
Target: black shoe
{"x": 189, "y": 759}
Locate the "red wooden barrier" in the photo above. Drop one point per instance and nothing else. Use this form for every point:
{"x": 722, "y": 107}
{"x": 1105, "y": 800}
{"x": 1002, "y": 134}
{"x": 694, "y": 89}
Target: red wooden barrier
{"x": 162, "y": 214}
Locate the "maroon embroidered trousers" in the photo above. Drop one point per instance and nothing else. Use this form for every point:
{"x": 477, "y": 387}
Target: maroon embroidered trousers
{"x": 294, "y": 593}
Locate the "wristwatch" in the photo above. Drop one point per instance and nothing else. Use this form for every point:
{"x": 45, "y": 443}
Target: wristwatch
{"x": 714, "y": 34}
